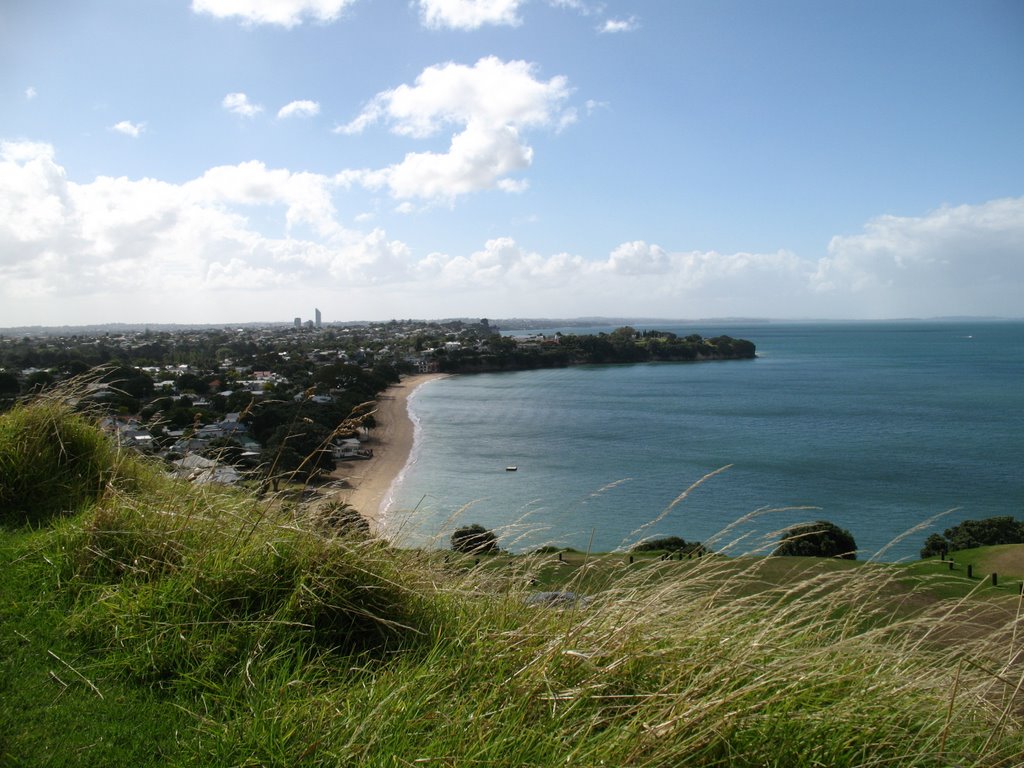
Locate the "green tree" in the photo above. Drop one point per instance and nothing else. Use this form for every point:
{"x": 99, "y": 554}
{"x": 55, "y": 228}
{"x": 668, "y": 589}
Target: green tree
{"x": 189, "y": 382}
{"x": 299, "y": 451}
{"x": 817, "y": 539}
{"x": 934, "y": 546}
{"x": 129, "y": 381}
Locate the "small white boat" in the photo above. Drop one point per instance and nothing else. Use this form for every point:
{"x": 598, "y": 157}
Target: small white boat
{"x": 511, "y": 468}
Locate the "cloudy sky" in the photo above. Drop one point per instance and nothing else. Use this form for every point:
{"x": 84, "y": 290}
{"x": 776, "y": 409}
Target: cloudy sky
{"x": 249, "y": 160}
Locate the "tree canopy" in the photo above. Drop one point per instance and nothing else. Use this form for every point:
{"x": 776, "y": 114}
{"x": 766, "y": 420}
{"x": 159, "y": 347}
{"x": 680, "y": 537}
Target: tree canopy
{"x": 818, "y": 539}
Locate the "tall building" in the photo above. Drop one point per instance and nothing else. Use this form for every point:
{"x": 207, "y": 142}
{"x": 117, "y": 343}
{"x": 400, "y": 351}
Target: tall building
{"x": 317, "y": 317}
{"x": 298, "y": 322}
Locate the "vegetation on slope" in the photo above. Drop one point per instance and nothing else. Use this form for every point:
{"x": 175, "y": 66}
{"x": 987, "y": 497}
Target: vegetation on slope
{"x": 54, "y": 461}
{"x": 971, "y": 534}
{"x": 227, "y": 631}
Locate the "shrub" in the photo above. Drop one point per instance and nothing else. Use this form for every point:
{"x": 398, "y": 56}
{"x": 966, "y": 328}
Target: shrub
{"x": 474, "y": 540}
{"x": 818, "y": 539}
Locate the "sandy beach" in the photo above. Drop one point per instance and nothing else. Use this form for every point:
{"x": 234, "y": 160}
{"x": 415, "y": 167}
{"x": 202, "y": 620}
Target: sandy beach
{"x": 391, "y": 441}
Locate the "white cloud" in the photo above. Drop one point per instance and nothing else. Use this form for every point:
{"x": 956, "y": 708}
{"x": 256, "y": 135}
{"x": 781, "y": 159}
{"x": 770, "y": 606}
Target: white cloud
{"x": 469, "y": 14}
{"x": 613, "y": 26}
{"x": 239, "y": 230}
{"x": 492, "y": 103}
{"x": 638, "y": 258}
{"x": 303, "y": 108}
{"x": 124, "y": 236}
{"x": 30, "y": 93}
{"x": 966, "y": 259}
{"x": 285, "y": 13}
{"x": 239, "y": 104}
{"x": 636, "y": 271}
{"x": 128, "y": 128}
{"x": 33, "y": 194}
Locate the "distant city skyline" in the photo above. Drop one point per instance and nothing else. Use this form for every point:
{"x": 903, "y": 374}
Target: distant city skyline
{"x": 221, "y": 162}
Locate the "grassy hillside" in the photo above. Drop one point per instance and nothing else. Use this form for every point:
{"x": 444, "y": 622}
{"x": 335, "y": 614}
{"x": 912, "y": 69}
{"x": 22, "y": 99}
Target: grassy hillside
{"x": 146, "y": 622}
{"x": 1006, "y": 560}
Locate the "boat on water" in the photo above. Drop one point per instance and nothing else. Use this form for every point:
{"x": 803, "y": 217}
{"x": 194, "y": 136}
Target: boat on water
{"x": 511, "y": 468}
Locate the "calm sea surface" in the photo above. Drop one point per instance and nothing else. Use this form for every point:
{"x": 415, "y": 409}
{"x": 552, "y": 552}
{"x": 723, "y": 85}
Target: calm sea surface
{"x": 879, "y": 427}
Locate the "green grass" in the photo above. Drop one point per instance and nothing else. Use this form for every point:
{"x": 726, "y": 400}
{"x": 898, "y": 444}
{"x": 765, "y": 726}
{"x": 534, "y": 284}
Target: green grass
{"x": 1006, "y": 560}
{"x": 50, "y": 712}
{"x": 160, "y": 624}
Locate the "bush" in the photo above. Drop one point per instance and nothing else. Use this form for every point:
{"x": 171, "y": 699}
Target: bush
{"x": 970, "y": 534}
{"x": 474, "y": 540}
{"x": 817, "y": 539}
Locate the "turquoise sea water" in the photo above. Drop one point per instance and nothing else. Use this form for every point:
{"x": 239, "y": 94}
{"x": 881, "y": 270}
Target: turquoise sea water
{"x": 878, "y": 426}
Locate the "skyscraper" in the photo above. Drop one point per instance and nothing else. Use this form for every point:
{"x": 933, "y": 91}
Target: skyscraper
{"x": 317, "y": 317}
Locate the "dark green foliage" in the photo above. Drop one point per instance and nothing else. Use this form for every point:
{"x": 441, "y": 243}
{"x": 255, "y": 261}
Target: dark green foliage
{"x": 38, "y": 381}
{"x": 350, "y": 378}
{"x": 225, "y": 450}
{"x": 474, "y": 540}
{"x": 129, "y": 381}
{"x": 189, "y": 382}
{"x": 935, "y": 546}
{"x": 52, "y": 460}
{"x": 669, "y": 544}
{"x": 9, "y": 385}
{"x": 301, "y": 450}
{"x": 817, "y": 539}
{"x": 969, "y": 534}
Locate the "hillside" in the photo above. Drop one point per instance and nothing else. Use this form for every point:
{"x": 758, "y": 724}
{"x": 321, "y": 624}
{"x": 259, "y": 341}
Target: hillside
{"x": 148, "y": 622}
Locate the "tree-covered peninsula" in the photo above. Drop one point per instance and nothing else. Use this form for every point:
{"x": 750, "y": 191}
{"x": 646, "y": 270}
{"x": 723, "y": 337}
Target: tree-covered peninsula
{"x": 623, "y": 345}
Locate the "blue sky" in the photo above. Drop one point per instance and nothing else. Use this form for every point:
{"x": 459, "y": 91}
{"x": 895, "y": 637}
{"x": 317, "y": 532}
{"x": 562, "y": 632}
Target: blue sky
{"x": 227, "y": 161}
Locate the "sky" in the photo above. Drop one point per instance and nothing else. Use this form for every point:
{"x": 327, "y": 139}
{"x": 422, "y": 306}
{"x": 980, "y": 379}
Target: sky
{"x": 228, "y": 161}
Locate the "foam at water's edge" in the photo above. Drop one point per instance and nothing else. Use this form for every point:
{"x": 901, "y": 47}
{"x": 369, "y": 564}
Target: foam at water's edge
{"x": 417, "y": 437}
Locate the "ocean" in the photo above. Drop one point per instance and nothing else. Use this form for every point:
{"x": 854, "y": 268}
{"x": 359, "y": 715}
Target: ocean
{"x": 877, "y": 427}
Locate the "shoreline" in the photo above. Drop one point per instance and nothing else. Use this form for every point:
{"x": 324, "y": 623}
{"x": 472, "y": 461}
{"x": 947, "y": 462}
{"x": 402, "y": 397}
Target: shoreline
{"x": 370, "y": 480}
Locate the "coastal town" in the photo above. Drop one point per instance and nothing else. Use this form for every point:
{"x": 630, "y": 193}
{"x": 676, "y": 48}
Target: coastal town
{"x": 304, "y": 401}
